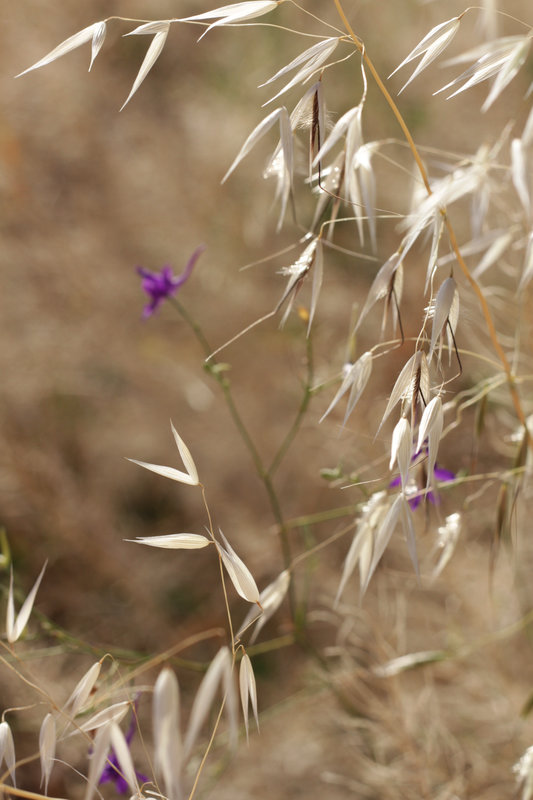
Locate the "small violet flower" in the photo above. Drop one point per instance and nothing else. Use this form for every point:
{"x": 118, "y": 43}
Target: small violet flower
{"x": 439, "y": 473}
{"x": 162, "y": 285}
{"x": 112, "y": 772}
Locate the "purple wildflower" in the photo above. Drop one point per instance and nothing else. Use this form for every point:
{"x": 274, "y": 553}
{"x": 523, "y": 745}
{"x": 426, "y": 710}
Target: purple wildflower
{"x": 439, "y": 473}
{"x": 112, "y": 772}
{"x": 162, "y": 285}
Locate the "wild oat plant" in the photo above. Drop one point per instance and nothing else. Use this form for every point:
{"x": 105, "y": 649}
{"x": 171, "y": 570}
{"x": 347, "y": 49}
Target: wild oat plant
{"x": 460, "y": 237}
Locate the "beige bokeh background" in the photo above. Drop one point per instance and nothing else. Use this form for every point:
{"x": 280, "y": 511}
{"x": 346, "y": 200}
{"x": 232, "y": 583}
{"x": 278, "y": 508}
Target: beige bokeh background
{"x": 87, "y": 194}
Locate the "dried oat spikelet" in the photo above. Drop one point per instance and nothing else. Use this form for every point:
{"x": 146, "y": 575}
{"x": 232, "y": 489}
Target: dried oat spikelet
{"x": 168, "y": 747}
{"x": 47, "y": 749}
{"x": 248, "y": 690}
{"x": 309, "y": 62}
{"x": 445, "y": 313}
{"x": 355, "y": 379}
{"x": 240, "y": 575}
{"x": 401, "y": 449}
{"x": 388, "y": 285}
{"x": 430, "y": 428}
{"x": 270, "y": 600}
{"x": 218, "y": 673}
{"x": 94, "y": 33}
{"x": 236, "y": 12}
{"x": 189, "y": 477}
{"x": 160, "y": 31}
{"x": 174, "y": 541}
{"x": 83, "y": 690}
{"x": 412, "y": 385}
{"x": 7, "y": 749}
{"x": 501, "y": 59}
{"x": 362, "y": 546}
{"x": 281, "y": 164}
{"x": 430, "y": 47}
{"x": 15, "y": 626}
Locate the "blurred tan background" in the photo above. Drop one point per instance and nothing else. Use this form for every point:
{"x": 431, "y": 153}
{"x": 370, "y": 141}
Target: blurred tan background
{"x": 87, "y": 194}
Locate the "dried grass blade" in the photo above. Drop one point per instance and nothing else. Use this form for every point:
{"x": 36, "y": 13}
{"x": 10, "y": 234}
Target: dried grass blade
{"x": 285, "y": 182}
{"x": 240, "y": 575}
{"x": 248, "y": 690}
{"x": 520, "y": 173}
{"x": 254, "y": 137}
{"x": 380, "y": 285}
{"x": 431, "y": 46}
{"x": 185, "y": 454}
{"x": 374, "y": 513}
{"x": 516, "y": 61}
{"x": 47, "y": 749}
{"x": 367, "y": 182}
{"x": 152, "y": 54}
{"x": 401, "y": 448}
{"x": 384, "y": 533}
{"x": 527, "y": 133}
{"x": 362, "y": 536}
{"x": 166, "y": 472}
{"x": 443, "y": 305}
{"x": 204, "y": 698}
{"x": 69, "y": 44}
{"x": 438, "y": 228}
{"x": 314, "y": 59}
{"x": 430, "y": 428}
{"x": 82, "y": 690}
{"x": 270, "y": 600}
{"x": 404, "y": 382}
{"x": 125, "y": 761}
{"x": 434, "y": 51}
{"x": 100, "y": 29}
{"x": 409, "y": 661}
{"x": 232, "y": 704}
{"x": 305, "y": 56}
{"x": 502, "y": 58}
{"x": 16, "y": 626}
{"x": 97, "y": 760}
{"x": 448, "y": 535}
{"x": 310, "y": 112}
{"x": 114, "y": 713}
{"x": 168, "y": 747}
{"x": 527, "y": 272}
{"x": 174, "y": 541}
{"x": 495, "y": 251}
{"x": 237, "y": 12}
{"x": 245, "y": 9}
{"x": 429, "y": 40}
{"x": 338, "y": 130}
{"x": 10, "y": 612}
{"x": 364, "y": 365}
{"x": 7, "y": 749}
{"x": 354, "y": 193}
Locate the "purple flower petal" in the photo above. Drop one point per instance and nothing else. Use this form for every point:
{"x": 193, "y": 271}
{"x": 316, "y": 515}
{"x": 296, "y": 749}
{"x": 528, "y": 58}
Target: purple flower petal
{"x": 440, "y": 474}
{"x": 444, "y": 475}
{"x": 161, "y": 285}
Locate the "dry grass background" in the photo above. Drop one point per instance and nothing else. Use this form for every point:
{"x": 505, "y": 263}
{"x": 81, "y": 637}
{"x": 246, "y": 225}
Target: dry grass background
{"x": 86, "y": 195}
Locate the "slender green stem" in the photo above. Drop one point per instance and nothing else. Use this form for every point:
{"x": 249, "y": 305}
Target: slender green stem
{"x": 307, "y": 394}
{"x": 208, "y": 749}
{"x": 265, "y": 475}
{"x": 193, "y": 325}
{"x": 217, "y": 373}
{"x": 222, "y": 578}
